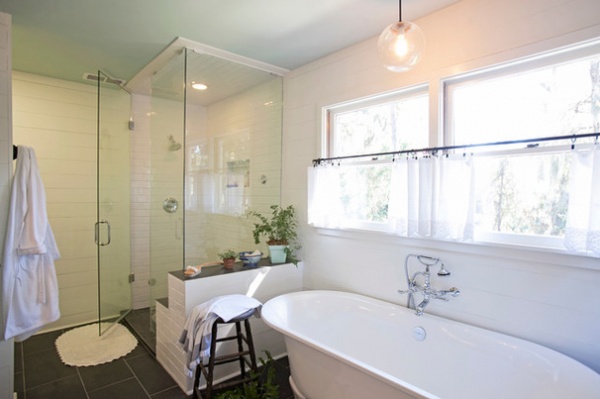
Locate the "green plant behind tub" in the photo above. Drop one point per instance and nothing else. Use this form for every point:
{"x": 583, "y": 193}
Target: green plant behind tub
{"x": 263, "y": 387}
{"x": 279, "y": 229}
{"x": 229, "y": 254}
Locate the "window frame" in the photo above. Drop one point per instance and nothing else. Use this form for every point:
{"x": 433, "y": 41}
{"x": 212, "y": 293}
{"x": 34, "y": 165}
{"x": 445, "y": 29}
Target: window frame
{"x": 441, "y": 134}
{"x": 545, "y": 59}
{"x": 329, "y": 111}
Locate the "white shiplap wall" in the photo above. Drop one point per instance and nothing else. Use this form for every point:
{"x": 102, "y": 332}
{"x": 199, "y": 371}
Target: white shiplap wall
{"x": 6, "y": 347}
{"x": 58, "y": 119}
{"x": 547, "y": 298}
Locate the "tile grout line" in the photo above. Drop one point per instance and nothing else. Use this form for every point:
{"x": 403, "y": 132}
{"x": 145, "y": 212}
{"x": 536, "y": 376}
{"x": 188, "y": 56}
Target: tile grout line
{"x": 136, "y": 378}
{"x": 23, "y": 381}
{"x": 111, "y": 384}
{"x": 82, "y": 383}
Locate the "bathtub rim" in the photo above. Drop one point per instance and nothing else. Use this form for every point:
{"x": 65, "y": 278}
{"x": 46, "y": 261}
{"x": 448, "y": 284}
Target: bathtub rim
{"x": 347, "y": 360}
{"x": 380, "y": 374}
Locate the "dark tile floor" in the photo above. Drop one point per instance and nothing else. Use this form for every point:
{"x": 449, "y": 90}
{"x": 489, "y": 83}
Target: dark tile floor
{"x": 141, "y": 322}
{"x": 39, "y": 373}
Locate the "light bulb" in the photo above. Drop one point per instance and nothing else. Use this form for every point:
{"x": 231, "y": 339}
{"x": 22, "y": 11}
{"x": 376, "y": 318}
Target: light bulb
{"x": 400, "y": 46}
{"x": 199, "y": 86}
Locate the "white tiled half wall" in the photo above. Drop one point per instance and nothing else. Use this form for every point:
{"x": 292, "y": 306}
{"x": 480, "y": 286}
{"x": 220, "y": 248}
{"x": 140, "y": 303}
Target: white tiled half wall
{"x": 262, "y": 283}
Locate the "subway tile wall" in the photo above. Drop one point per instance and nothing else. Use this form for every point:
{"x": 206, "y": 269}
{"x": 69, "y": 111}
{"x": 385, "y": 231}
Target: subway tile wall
{"x": 244, "y": 127}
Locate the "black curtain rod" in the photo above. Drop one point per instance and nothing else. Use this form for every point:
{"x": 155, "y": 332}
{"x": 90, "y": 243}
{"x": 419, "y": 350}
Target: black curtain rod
{"x": 434, "y": 150}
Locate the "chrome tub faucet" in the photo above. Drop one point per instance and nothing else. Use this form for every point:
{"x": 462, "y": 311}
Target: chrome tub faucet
{"x": 424, "y": 288}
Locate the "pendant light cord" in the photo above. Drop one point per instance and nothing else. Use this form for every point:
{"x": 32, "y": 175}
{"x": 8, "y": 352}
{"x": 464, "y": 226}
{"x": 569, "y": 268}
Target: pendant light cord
{"x": 399, "y": 10}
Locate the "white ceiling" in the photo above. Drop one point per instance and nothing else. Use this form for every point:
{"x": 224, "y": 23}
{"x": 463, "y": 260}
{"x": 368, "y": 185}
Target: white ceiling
{"x": 67, "y": 38}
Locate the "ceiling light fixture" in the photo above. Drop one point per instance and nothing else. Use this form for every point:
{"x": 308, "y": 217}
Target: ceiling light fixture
{"x": 400, "y": 45}
{"x": 199, "y": 86}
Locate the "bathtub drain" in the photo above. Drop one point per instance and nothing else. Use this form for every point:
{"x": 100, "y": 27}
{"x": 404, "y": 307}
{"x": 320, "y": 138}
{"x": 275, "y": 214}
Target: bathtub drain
{"x": 419, "y": 333}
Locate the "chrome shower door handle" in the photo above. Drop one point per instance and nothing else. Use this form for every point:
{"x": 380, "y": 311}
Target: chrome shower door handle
{"x": 108, "y": 226}
{"x": 97, "y": 233}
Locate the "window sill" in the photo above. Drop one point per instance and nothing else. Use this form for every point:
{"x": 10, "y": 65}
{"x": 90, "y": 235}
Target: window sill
{"x": 496, "y": 250}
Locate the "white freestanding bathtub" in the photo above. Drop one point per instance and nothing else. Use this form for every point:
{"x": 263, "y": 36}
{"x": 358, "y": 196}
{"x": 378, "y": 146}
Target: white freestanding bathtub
{"x": 347, "y": 346}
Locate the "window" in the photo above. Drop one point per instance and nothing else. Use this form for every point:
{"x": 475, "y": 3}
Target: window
{"x": 513, "y": 104}
{"x": 393, "y": 122}
{"x": 386, "y": 123}
{"x": 541, "y": 193}
{"x": 522, "y": 193}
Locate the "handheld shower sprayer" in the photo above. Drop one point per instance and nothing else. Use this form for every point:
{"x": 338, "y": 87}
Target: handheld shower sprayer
{"x": 443, "y": 271}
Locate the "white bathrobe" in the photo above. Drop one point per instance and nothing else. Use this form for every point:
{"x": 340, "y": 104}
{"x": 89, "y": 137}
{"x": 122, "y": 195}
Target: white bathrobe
{"x": 29, "y": 286}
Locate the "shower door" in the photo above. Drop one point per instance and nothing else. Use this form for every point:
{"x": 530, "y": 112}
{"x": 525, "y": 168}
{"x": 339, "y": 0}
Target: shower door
{"x": 112, "y": 228}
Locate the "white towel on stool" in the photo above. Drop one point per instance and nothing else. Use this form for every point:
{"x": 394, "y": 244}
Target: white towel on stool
{"x": 197, "y": 331}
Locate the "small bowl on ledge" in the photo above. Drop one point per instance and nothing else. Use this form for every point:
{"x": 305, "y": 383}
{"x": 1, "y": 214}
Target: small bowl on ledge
{"x": 250, "y": 258}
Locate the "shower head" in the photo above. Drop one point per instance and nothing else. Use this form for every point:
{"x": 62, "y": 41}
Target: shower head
{"x": 173, "y": 145}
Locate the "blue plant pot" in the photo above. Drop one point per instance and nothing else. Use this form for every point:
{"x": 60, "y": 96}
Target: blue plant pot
{"x": 277, "y": 253}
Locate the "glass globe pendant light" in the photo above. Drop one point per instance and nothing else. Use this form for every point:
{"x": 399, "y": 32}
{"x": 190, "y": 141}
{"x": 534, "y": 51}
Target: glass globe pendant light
{"x": 400, "y": 45}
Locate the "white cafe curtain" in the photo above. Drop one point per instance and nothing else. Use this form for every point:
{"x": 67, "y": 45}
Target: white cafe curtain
{"x": 583, "y": 217}
{"x": 428, "y": 197}
{"x": 324, "y": 203}
{"x": 433, "y": 197}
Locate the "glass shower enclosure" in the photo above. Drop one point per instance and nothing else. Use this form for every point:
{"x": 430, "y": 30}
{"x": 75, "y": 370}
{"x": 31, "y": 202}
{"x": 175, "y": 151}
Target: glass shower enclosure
{"x": 208, "y": 157}
{"x": 112, "y": 229}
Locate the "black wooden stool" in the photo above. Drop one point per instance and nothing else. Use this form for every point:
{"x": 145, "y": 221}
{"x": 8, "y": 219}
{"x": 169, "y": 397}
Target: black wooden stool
{"x": 207, "y": 370}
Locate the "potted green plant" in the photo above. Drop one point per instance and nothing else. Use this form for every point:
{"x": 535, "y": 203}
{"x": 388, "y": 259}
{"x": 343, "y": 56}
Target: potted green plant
{"x": 263, "y": 386}
{"x": 280, "y": 232}
{"x": 228, "y": 258}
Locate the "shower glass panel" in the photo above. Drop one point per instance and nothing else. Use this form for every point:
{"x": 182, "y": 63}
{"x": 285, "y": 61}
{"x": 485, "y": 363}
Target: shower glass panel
{"x": 202, "y": 159}
{"x": 113, "y": 203}
{"x": 166, "y": 202}
{"x": 233, "y": 153}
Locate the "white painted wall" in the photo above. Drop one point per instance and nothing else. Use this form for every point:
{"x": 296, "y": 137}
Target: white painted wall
{"x": 549, "y": 298}
{"x": 6, "y": 347}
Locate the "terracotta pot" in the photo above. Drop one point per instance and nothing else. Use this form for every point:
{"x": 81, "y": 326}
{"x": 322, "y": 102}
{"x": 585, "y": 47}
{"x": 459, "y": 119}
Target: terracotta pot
{"x": 228, "y": 263}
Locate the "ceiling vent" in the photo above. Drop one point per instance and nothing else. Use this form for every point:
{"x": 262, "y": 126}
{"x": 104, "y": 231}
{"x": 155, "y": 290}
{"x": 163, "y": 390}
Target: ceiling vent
{"x": 103, "y": 79}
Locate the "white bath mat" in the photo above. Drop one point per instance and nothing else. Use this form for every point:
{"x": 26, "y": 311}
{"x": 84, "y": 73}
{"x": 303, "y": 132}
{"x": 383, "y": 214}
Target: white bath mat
{"x": 83, "y": 346}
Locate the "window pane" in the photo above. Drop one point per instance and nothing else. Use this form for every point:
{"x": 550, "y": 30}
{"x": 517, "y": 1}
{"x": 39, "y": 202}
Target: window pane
{"x": 390, "y": 126}
{"x": 562, "y": 99}
{"x": 523, "y": 194}
{"x": 365, "y": 192}
{"x": 379, "y": 124}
